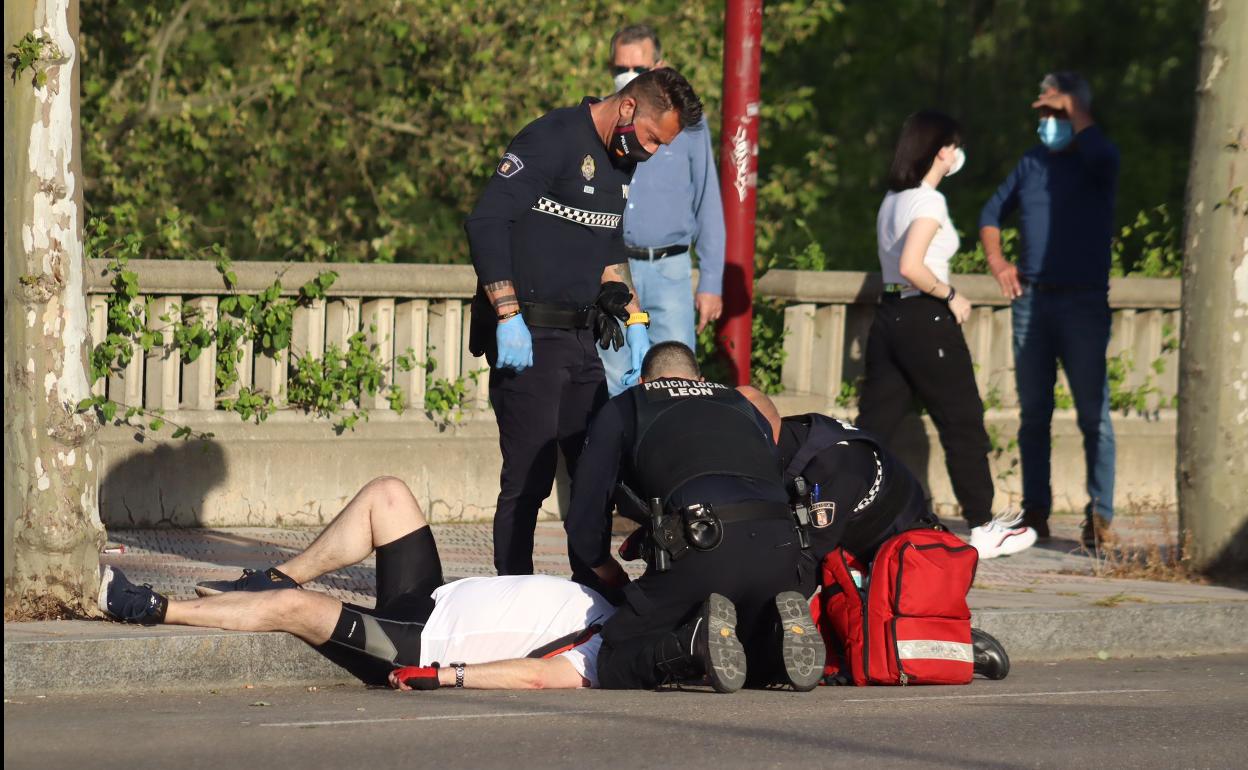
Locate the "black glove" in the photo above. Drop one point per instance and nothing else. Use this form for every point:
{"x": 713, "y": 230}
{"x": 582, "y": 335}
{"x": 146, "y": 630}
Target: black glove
{"x": 612, "y": 302}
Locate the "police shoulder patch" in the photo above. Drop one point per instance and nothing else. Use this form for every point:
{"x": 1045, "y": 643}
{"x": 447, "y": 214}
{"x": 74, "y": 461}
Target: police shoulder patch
{"x": 822, "y": 514}
{"x": 509, "y": 166}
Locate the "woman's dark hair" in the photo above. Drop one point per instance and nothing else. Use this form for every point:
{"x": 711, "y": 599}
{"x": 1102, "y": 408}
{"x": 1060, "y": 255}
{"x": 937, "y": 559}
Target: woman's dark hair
{"x": 922, "y": 136}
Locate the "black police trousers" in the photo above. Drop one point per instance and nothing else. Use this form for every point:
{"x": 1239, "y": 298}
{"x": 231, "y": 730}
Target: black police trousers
{"x": 544, "y": 409}
{"x": 756, "y": 560}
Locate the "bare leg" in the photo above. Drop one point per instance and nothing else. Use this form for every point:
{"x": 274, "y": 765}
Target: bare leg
{"x": 382, "y": 512}
{"x": 309, "y": 615}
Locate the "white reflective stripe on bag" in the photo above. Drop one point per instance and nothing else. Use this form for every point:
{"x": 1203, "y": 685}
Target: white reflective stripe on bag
{"x": 936, "y": 649}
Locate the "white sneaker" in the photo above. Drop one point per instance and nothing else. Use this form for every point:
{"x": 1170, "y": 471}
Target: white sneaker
{"x": 1002, "y": 537}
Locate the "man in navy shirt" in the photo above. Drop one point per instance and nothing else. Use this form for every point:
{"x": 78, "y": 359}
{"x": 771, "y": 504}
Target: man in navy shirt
{"x": 545, "y": 242}
{"x": 1064, "y": 191}
{"x": 673, "y": 207}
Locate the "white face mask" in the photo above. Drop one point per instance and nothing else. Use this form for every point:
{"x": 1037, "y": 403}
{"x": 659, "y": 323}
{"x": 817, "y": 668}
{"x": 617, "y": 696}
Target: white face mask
{"x": 624, "y": 78}
{"x": 959, "y": 160}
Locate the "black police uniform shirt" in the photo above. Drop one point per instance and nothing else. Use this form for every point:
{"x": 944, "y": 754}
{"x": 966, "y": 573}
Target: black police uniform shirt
{"x": 549, "y": 218}
{"x": 845, "y": 473}
{"x": 605, "y": 458}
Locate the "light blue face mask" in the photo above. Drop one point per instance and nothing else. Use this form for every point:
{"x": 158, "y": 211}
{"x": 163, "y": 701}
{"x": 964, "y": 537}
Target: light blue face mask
{"x": 1056, "y": 133}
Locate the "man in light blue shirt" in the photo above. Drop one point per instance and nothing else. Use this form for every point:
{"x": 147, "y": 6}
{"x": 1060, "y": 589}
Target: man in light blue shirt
{"x": 673, "y": 206}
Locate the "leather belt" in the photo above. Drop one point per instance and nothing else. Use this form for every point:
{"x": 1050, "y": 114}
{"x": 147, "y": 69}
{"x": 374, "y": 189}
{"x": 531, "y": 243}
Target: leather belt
{"x": 1059, "y": 287}
{"x": 558, "y": 316}
{"x": 652, "y": 255}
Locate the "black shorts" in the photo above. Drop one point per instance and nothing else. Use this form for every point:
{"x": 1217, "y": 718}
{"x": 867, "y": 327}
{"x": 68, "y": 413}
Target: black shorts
{"x": 371, "y": 642}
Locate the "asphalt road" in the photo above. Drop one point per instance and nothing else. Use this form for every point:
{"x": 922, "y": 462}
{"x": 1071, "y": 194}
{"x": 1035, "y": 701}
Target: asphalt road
{"x": 1137, "y": 713}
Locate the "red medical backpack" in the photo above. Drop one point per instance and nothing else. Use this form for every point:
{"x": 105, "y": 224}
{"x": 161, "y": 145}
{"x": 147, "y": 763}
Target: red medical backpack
{"x": 905, "y": 621}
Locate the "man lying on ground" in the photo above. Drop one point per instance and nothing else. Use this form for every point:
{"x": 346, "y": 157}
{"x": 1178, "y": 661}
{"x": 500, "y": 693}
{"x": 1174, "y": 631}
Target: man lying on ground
{"x": 514, "y": 632}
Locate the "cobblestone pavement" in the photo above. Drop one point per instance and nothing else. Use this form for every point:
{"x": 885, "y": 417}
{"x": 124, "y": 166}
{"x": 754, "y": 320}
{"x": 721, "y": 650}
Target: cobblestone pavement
{"x": 1058, "y": 573}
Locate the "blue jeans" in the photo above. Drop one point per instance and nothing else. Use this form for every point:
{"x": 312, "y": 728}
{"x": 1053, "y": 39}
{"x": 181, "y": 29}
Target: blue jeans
{"x": 1073, "y": 327}
{"x": 665, "y": 290}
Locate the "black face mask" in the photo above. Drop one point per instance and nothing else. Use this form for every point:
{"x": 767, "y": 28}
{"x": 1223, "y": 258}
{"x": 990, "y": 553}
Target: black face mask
{"x": 626, "y": 148}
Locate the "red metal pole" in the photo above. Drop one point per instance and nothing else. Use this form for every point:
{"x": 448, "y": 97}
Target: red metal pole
{"x": 738, "y": 164}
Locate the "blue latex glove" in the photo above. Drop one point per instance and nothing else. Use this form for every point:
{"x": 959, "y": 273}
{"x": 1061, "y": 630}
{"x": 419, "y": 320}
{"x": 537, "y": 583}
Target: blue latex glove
{"x": 515, "y": 344}
{"x": 638, "y": 338}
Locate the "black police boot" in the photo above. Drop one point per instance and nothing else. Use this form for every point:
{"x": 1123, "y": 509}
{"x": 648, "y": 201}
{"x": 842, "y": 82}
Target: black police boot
{"x": 991, "y": 660}
{"x": 801, "y": 645}
{"x": 706, "y": 646}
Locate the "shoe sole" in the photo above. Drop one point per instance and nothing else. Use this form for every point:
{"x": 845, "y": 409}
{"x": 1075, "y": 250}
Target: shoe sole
{"x": 106, "y": 580}
{"x": 203, "y": 591}
{"x": 801, "y": 645}
{"x": 726, "y": 667}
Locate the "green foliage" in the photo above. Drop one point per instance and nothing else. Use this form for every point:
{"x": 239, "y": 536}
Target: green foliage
{"x": 26, "y": 56}
{"x": 285, "y": 127}
{"x": 1149, "y": 246}
{"x": 331, "y": 386}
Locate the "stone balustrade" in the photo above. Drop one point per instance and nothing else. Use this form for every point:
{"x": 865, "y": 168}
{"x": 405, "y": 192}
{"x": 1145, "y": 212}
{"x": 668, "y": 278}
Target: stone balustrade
{"x": 294, "y": 470}
{"x": 827, "y": 317}
{"x": 426, "y": 308}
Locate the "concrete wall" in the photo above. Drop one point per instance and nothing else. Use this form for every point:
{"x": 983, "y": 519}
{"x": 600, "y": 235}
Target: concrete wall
{"x": 290, "y": 472}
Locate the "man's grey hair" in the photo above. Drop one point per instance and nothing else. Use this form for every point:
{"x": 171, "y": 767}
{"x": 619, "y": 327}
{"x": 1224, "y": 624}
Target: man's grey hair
{"x": 636, "y": 33}
{"x": 1071, "y": 83}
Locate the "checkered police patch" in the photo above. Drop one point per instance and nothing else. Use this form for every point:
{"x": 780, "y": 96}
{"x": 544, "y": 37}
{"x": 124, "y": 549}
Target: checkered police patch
{"x": 579, "y": 216}
{"x": 509, "y": 166}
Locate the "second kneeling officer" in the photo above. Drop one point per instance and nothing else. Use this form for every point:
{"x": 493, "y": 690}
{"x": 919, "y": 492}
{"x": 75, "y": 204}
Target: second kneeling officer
{"x": 724, "y": 551}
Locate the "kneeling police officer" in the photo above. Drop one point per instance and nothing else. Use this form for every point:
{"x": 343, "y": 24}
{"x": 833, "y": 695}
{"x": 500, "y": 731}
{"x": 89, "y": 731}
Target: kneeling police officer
{"x": 697, "y": 464}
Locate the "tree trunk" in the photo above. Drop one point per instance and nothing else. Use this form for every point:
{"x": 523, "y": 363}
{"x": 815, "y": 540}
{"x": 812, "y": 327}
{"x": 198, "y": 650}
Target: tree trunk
{"x": 1213, "y": 361}
{"x": 52, "y": 528}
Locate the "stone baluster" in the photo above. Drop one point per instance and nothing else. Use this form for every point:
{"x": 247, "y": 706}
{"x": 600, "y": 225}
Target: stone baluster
{"x": 411, "y": 331}
{"x": 199, "y": 377}
{"x": 378, "y": 323}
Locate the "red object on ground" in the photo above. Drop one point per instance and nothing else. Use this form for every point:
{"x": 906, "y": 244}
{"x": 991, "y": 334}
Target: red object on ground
{"x": 908, "y": 623}
{"x": 738, "y": 177}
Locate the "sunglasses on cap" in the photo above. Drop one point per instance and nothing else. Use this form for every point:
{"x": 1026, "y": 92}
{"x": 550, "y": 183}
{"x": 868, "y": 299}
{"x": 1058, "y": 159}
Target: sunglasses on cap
{"x": 616, "y": 70}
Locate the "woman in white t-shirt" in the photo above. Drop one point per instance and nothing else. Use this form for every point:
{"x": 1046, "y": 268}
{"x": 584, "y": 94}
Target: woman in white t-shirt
{"x": 915, "y": 349}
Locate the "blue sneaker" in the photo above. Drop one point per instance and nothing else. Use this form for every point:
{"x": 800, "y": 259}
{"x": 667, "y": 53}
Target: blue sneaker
{"x": 252, "y": 580}
{"x": 122, "y": 600}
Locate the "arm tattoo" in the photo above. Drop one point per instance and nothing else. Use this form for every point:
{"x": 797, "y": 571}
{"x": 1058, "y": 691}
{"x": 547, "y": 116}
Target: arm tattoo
{"x": 622, "y": 273}
{"x": 502, "y": 296}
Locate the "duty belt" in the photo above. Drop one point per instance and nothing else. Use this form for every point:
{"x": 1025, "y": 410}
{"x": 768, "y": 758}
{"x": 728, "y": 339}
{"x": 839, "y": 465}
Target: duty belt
{"x": 558, "y": 316}
{"x": 652, "y": 255}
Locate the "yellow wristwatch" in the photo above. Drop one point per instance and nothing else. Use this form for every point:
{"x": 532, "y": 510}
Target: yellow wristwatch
{"x": 638, "y": 318}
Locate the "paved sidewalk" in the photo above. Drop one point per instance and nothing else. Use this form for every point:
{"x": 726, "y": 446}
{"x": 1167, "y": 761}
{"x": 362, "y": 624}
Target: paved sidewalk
{"x": 1051, "y": 602}
{"x": 1056, "y": 575}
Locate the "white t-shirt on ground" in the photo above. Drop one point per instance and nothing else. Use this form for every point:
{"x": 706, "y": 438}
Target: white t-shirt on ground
{"x": 892, "y": 224}
{"x": 484, "y": 619}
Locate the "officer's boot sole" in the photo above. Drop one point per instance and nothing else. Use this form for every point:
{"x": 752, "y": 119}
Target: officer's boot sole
{"x": 725, "y": 657}
{"x": 801, "y": 643}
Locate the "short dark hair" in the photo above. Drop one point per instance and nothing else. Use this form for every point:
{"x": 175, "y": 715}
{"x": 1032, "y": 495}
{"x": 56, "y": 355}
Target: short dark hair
{"x": 922, "y": 136}
{"x": 666, "y": 89}
{"x": 670, "y": 359}
{"x": 636, "y": 33}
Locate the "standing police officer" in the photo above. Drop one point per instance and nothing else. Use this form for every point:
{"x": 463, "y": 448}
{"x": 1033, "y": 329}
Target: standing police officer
{"x": 719, "y": 518}
{"x": 546, "y": 245}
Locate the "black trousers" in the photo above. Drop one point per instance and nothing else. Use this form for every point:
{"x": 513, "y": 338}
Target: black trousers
{"x": 542, "y": 410}
{"x": 755, "y": 561}
{"x": 916, "y": 349}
